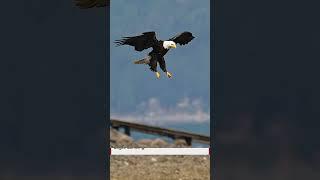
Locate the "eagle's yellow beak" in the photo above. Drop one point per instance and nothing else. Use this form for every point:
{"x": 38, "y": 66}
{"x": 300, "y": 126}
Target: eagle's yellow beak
{"x": 173, "y": 46}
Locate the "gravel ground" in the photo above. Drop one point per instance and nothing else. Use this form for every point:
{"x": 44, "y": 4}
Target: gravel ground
{"x": 155, "y": 167}
{"x": 160, "y": 168}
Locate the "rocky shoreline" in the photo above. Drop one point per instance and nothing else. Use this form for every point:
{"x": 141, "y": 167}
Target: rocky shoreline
{"x": 121, "y": 140}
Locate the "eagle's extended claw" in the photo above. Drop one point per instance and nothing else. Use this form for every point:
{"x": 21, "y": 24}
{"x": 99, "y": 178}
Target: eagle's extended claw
{"x": 169, "y": 74}
{"x": 158, "y": 75}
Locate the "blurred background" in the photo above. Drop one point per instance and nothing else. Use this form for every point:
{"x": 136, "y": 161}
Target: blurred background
{"x": 52, "y": 93}
{"x": 267, "y": 91}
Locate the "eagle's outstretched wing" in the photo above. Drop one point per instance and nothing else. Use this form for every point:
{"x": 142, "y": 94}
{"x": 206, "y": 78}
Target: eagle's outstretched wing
{"x": 141, "y": 42}
{"x": 182, "y": 38}
{"x": 85, "y": 4}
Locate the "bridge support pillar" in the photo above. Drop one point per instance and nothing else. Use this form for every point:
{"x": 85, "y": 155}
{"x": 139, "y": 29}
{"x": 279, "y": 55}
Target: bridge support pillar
{"x": 189, "y": 141}
{"x": 127, "y": 130}
{"x": 116, "y": 127}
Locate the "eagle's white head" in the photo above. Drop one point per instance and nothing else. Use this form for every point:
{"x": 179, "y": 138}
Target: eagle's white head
{"x": 169, "y": 44}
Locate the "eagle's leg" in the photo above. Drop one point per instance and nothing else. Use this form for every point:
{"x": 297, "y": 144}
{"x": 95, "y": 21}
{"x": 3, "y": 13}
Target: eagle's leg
{"x": 168, "y": 74}
{"x": 158, "y": 75}
{"x": 153, "y": 67}
{"x": 162, "y": 64}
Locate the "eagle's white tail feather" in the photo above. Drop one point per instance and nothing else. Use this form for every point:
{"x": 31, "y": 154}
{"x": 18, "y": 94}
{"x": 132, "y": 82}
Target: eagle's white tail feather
{"x": 142, "y": 61}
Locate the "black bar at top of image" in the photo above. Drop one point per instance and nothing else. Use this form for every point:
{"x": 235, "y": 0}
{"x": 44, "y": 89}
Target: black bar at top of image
{"x": 52, "y": 96}
{"x": 267, "y": 90}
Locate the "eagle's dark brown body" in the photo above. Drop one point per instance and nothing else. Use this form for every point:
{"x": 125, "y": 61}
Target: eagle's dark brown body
{"x": 157, "y": 55}
{"x": 159, "y": 49}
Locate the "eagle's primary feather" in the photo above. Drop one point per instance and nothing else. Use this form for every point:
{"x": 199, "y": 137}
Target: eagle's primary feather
{"x": 141, "y": 42}
{"x": 85, "y": 4}
{"x": 182, "y": 38}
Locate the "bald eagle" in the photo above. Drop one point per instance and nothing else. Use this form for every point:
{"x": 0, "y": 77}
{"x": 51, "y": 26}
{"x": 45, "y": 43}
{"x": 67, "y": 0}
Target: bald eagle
{"x": 159, "y": 48}
{"x": 85, "y": 4}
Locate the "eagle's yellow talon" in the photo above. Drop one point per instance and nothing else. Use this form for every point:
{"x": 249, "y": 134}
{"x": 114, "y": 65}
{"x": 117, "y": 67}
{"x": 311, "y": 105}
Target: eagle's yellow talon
{"x": 169, "y": 74}
{"x": 158, "y": 75}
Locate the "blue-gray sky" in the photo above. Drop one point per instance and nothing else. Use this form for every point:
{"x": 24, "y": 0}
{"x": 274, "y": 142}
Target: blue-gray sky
{"x": 135, "y": 91}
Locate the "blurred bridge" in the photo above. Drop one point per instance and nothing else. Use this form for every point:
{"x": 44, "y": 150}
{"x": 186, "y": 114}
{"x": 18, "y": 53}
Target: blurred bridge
{"x": 147, "y": 129}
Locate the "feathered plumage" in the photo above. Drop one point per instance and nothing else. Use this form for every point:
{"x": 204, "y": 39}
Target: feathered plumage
{"x": 141, "y": 42}
{"x": 159, "y": 48}
{"x": 183, "y": 38}
{"x": 85, "y": 4}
